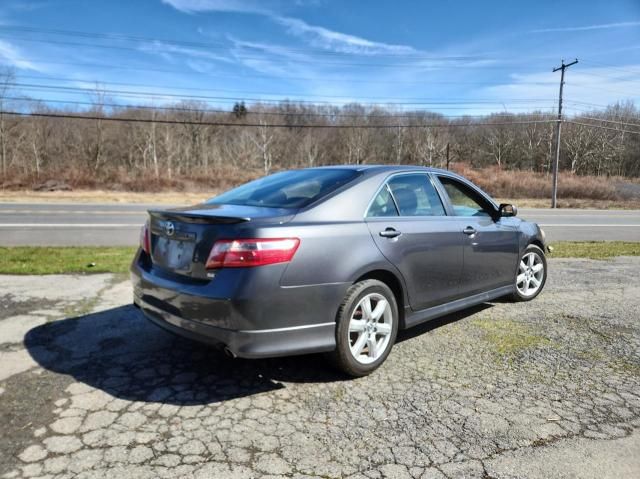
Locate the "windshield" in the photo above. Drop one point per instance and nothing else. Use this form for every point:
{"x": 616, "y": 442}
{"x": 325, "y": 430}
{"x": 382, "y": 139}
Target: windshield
{"x": 288, "y": 189}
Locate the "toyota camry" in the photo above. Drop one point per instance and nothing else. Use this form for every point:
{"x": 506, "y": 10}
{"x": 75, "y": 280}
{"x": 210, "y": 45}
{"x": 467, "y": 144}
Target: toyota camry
{"x": 332, "y": 259}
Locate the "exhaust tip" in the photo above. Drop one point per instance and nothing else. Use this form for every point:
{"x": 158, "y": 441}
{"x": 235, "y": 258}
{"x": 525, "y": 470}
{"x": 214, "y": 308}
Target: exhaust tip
{"x": 229, "y": 353}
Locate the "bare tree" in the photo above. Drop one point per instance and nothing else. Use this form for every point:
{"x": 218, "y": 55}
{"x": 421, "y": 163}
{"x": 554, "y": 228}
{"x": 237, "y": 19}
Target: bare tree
{"x": 40, "y": 133}
{"x": 7, "y": 78}
{"x": 98, "y": 100}
{"x": 499, "y": 141}
{"x": 311, "y": 148}
{"x": 262, "y": 140}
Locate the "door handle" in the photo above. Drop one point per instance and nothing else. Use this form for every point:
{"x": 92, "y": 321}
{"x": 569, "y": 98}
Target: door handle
{"x": 390, "y": 233}
{"x": 469, "y": 230}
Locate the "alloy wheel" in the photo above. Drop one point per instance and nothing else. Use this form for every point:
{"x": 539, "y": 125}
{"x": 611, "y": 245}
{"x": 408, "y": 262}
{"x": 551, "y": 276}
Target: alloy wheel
{"x": 370, "y": 328}
{"x": 530, "y": 274}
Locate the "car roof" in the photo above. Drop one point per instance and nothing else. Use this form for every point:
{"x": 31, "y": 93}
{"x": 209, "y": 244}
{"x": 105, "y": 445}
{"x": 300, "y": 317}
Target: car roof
{"x": 384, "y": 168}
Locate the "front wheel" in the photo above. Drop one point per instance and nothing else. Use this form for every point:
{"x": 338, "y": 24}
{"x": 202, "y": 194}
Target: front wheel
{"x": 531, "y": 275}
{"x": 367, "y": 326}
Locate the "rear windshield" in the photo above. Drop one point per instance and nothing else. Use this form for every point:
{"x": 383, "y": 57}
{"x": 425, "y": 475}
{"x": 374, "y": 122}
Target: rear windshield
{"x": 288, "y": 189}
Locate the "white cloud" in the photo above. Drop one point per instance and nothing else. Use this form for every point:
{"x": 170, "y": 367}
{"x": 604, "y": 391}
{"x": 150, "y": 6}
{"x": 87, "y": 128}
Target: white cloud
{"x": 272, "y": 59}
{"x": 602, "y": 26}
{"x": 12, "y": 56}
{"x": 336, "y": 41}
{"x": 169, "y": 52}
{"x": 316, "y": 36}
{"x": 238, "y": 6}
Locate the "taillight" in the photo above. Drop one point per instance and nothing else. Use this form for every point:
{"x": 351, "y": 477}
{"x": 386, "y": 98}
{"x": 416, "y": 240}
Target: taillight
{"x": 240, "y": 253}
{"x": 145, "y": 241}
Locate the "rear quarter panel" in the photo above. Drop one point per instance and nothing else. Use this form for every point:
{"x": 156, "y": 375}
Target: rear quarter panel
{"x": 329, "y": 252}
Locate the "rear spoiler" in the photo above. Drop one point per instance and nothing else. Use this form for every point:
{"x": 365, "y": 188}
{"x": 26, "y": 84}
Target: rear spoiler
{"x": 199, "y": 218}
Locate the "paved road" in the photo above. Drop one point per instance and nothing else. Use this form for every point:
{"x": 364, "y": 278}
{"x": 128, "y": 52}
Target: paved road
{"x": 541, "y": 390}
{"x": 115, "y": 225}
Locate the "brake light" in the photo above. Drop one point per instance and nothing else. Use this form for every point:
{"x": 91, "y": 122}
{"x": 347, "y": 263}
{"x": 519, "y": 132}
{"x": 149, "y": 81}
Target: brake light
{"x": 145, "y": 242}
{"x": 240, "y": 253}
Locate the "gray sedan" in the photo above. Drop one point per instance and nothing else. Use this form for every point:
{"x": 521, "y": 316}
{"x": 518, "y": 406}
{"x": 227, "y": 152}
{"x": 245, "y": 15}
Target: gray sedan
{"x": 334, "y": 259}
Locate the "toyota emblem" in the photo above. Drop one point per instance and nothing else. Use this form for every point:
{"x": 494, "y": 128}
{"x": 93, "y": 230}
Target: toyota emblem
{"x": 169, "y": 228}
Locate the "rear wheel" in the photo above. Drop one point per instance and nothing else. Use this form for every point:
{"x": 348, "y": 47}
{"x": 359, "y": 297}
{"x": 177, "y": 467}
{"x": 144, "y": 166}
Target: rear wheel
{"x": 367, "y": 326}
{"x": 531, "y": 275}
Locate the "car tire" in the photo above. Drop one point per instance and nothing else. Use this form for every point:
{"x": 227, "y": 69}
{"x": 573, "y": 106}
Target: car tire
{"x": 529, "y": 278}
{"x": 367, "y": 321}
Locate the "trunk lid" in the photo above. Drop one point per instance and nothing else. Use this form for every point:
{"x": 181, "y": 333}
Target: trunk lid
{"x": 181, "y": 238}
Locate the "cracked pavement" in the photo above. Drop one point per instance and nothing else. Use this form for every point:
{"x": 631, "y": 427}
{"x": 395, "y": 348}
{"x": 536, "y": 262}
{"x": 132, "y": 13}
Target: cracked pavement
{"x": 550, "y": 388}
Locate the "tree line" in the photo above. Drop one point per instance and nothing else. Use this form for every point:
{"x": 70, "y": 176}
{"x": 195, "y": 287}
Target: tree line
{"x": 191, "y": 139}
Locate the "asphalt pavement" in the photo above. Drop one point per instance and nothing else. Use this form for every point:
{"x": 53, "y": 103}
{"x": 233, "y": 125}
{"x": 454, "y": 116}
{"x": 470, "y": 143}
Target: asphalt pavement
{"x": 548, "y": 389}
{"x": 79, "y": 224}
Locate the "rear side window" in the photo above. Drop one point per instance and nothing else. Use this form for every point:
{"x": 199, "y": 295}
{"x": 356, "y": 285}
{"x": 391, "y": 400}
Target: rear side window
{"x": 289, "y": 189}
{"x": 382, "y": 205}
{"x": 415, "y": 196}
{"x": 464, "y": 200}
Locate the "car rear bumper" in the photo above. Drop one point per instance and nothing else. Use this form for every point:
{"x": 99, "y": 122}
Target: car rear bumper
{"x": 266, "y": 343}
{"x": 263, "y": 320}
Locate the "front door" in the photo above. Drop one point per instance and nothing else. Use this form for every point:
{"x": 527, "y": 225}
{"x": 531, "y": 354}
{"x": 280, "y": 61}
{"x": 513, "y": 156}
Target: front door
{"x": 408, "y": 223}
{"x": 491, "y": 243}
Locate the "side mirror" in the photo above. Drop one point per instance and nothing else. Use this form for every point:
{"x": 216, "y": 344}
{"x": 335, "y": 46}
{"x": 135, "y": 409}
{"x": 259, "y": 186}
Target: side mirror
{"x": 508, "y": 210}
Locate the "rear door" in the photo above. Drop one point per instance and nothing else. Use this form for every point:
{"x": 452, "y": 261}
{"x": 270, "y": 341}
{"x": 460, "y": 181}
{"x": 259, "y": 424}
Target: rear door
{"x": 407, "y": 221}
{"x": 490, "y": 243}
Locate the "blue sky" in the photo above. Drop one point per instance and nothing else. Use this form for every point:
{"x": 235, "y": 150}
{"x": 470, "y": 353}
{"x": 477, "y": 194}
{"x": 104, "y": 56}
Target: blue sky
{"x": 454, "y": 57}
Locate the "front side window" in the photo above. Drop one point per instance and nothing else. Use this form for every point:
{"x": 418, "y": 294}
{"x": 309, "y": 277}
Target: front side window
{"x": 464, "y": 200}
{"x": 416, "y": 196}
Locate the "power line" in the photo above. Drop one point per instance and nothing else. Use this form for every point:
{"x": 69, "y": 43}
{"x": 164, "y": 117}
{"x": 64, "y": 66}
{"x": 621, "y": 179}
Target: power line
{"x": 602, "y": 127}
{"x": 413, "y": 114}
{"x": 264, "y": 125}
{"x": 207, "y": 97}
{"x": 585, "y": 103}
{"x": 342, "y": 79}
{"x": 610, "y": 90}
{"x": 623, "y": 123}
{"x": 217, "y": 76}
{"x": 360, "y": 100}
{"x": 143, "y": 85}
{"x": 325, "y": 126}
{"x": 614, "y": 67}
{"x": 610, "y": 77}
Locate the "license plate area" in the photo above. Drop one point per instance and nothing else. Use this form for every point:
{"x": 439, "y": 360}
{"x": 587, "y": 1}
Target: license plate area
{"x": 173, "y": 254}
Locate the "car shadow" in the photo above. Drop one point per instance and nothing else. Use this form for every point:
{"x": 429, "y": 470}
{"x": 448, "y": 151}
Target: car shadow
{"x": 120, "y": 352}
{"x": 123, "y": 354}
{"x": 436, "y": 323}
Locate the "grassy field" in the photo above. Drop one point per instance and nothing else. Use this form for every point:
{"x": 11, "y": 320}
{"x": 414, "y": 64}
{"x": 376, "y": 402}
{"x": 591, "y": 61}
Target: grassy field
{"x": 595, "y": 249}
{"x": 50, "y": 260}
{"x": 46, "y": 260}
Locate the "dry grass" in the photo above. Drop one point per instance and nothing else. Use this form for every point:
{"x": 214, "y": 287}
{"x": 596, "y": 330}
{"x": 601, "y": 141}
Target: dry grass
{"x": 573, "y": 203}
{"x": 124, "y": 188}
{"x": 524, "y": 188}
{"x": 527, "y": 184}
{"x": 101, "y": 196}
{"x": 215, "y": 179}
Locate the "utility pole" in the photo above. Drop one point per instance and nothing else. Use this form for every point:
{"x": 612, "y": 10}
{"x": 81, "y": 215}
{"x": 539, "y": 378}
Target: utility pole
{"x": 556, "y": 161}
{"x": 447, "y": 155}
